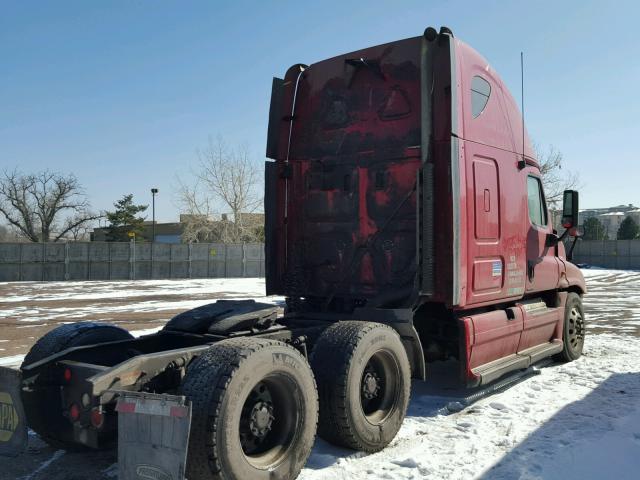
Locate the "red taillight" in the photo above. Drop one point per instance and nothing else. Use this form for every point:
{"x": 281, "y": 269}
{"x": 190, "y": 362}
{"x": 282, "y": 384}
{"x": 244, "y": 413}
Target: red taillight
{"x": 74, "y": 412}
{"x": 97, "y": 418}
{"x": 67, "y": 375}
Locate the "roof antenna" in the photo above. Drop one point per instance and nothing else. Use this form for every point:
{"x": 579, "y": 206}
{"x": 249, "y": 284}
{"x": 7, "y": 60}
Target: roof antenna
{"x": 522, "y": 163}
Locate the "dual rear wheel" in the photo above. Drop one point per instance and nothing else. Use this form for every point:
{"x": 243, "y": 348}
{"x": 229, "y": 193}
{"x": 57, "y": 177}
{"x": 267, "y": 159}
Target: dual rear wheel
{"x": 43, "y": 403}
{"x": 364, "y": 381}
{"x": 254, "y": 411}
{"x": 255, "y": 401}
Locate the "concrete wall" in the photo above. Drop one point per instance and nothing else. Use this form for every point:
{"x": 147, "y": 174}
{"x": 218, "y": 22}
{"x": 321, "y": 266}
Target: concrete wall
{"x": 620, "y": 254}
{"x": 126, "y": 261}
{"x": 120, "y": 261}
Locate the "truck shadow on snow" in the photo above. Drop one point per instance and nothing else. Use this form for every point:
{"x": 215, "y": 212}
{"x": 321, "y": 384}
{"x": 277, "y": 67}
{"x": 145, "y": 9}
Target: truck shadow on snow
{"x": 573, "y": 443}
{"x": 542, "y": 454}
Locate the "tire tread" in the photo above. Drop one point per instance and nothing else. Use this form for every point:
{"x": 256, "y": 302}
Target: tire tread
{"x": 330, "y": 360}
{"x": 216, "y": 367}
{"x": 51, "y": 343}
{"x": 566, "y": 355}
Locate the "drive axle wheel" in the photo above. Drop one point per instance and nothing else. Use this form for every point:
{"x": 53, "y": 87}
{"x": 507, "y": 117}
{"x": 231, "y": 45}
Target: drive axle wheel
{"x": 379, "y": 386}
{"x": 364, "y": 380}
{"x": 574, "y": 329}
{"x": 255, "y": 411}
{"x": 43, "y": 404}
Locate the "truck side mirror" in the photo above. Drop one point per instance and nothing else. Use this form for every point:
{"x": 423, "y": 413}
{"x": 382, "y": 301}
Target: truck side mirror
{"x": 275, "y": 119}
{"x": 570, "y": 209}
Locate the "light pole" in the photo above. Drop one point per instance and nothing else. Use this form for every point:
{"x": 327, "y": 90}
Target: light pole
{"x": 153, "y": 214}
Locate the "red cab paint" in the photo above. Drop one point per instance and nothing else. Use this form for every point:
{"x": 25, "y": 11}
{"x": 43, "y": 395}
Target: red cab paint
{"x": 401, "y": 180}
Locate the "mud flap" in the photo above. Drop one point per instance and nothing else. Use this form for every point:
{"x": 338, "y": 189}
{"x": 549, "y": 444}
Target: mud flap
{"x": 153, "y": 436}
{"x": 13, "y": 424}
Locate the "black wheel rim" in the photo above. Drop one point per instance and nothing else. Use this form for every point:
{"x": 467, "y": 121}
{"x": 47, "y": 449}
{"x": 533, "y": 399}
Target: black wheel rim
{"x": 269, "y": 422}
{"x": 380, "y": 387}
{"x": 575, "y": 329}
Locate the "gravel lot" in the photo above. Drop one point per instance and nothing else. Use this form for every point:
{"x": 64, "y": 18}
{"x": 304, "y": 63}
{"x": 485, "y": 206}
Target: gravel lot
{"x": 28, "y": 310}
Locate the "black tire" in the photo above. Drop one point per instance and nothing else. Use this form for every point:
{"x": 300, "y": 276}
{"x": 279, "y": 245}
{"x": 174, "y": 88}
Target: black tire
{"x": 364, "y": 381}
{"x": 254, "y": 411}
{"x": 574, "y": 331}
{"x": 44, "y": 410}
{"x": 74, "y": 335}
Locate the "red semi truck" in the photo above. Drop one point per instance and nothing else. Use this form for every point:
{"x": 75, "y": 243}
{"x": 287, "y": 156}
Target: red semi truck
{"x": 405, "y": 223}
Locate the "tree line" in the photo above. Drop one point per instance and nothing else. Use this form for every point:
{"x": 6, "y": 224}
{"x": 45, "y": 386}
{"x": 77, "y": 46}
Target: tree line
{"x": 50, "y": 206}
{"x": 594, "y": 229}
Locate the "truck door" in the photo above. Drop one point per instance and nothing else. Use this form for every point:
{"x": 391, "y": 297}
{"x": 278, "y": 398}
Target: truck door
{"x": 540, "y": 319}
{"x": 542, "y": 264}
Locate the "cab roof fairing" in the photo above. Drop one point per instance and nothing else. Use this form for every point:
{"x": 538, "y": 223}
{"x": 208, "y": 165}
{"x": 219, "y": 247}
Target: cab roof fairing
{"x": 468, "y": 64}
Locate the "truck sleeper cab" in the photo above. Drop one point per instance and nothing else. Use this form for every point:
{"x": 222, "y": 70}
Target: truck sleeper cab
{"x": 400, "y": 182}
{"x": 405, "y": 223}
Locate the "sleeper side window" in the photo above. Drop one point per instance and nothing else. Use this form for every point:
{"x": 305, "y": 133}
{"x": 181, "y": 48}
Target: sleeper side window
{"x": 535, "y": 199}
{"x": 480, "y": 92}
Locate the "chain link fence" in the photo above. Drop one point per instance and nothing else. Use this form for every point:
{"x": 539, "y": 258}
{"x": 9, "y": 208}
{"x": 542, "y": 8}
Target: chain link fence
{"x": 128, "y": 261}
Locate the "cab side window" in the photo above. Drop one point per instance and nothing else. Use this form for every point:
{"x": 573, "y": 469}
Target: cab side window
{"x": 480, "y": 92}
{"x": 537, "y": 205}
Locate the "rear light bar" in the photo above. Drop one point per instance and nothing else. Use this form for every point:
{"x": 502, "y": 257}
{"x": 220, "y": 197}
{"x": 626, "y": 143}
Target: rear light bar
{"x": 74, "y": 412}
{"x": 97, "y": 417}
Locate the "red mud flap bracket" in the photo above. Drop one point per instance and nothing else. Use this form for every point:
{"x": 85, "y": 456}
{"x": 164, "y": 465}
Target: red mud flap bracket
{"x": 153, "y": 436}
{"x": 13, "y": 425}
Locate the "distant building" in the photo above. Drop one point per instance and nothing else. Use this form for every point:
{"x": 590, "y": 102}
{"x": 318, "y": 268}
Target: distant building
{"x": 165, "y": 232}
{"x": 172, "y": 232}
{"x": 611, "y": 222}
{"x": 252, "y": 218}
{"x": 595, "y": 212}
{"x": 635, "y": 215}
{"x": 611, "y": 217}
{"x": 190, "y": 217}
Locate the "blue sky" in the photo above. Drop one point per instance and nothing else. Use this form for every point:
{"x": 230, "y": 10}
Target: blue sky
{"x": 123, "y": 93}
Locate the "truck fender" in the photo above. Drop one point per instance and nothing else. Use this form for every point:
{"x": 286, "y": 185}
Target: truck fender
{"x": 572, "y": 279}
{"x": 413, "y": 347}
{"x": 401, "y": 320}
{"x": 223, "y": 317}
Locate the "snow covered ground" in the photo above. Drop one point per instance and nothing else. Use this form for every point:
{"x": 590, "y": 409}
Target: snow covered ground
{"x": 573, "y": 421}
{"x": 28, "y": 310}
{"x": 570, "y": 421}
{"x": 41, "y": 304}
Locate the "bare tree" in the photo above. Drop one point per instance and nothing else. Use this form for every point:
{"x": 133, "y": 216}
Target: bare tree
{"x": 226, "y": 179}
{"x": 199, "y": 224}
{"x": 9, "y": 233}
{"x": 45, "y": 206}
{"x": 80, "y": 233}
{"x": 555, "y": 180}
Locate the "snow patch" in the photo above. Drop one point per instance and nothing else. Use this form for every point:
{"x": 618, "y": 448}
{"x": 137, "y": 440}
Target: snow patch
{"x": 13, "y": 361}
{"x": 573, "y": 421}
